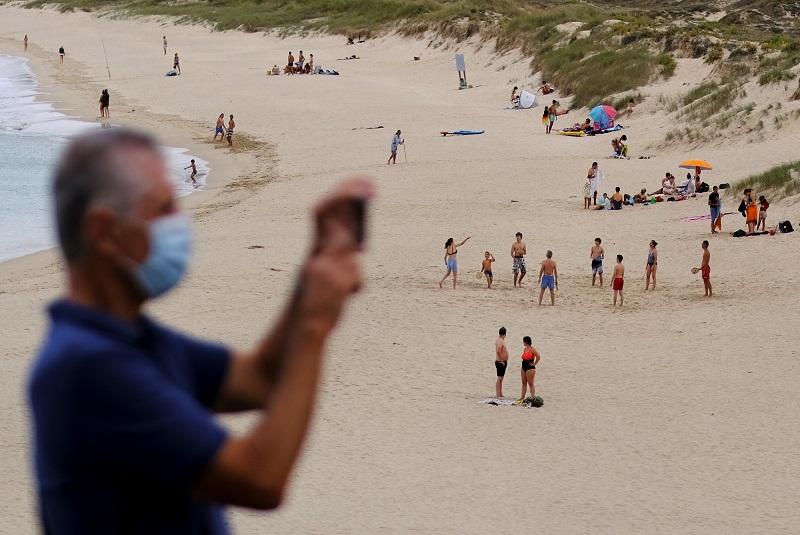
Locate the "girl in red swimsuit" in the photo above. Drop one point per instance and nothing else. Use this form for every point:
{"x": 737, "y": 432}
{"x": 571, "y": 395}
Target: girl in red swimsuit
{"x": 530, "y": 357}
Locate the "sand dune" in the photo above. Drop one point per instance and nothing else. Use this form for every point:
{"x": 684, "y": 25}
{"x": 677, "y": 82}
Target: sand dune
{"x": 675, "y": 414}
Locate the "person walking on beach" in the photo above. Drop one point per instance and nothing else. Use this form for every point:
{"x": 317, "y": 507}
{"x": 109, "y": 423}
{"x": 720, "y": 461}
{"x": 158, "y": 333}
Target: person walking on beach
{"x": 165, "y": 45}
{"x": 715, "y": 205}
{"x": 229, "y": 132}
{"x": 705, "y": 269}
{"x": 618, "y": 280}
{"x": 486, "y": 267}
{"x": 61, "y": 54}
{"x": 219, "y": 129}
{"x": 122, "y": 405}
{"x": 592, "y": 176}
{"x": 104, "y": 101}
{"x": 451, "y": 259}
{"x": 597, "y": 254}
{"x": 652, "y": 266}
{"x": 25, "y": 42}
{"x": 518, "y": 252}
{"x": 396, "y": 140}
{"x": 530, "y": 358}
{"x": 500, "y": 362}
{"x": 176, "y": 63}
{"x": 548, "y": 277}
{"x": 193, "y": 167}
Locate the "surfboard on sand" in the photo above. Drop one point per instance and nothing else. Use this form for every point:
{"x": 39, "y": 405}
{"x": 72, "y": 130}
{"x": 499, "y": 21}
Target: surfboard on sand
{"x": 463, "y": 133}
{"x": 573, "y": 134}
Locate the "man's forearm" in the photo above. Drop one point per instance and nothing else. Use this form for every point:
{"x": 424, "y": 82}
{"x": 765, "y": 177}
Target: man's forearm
{"x": 272, "y": 352}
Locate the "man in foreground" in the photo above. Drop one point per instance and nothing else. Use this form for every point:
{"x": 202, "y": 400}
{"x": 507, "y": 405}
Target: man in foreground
{"x": 126, "y": 441}
{"x": 500, "y": 361}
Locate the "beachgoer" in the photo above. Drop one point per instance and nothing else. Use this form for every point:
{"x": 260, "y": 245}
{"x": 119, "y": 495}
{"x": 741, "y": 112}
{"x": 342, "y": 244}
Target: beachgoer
{"x": 350, "y": 41}
{"x": 545, "y": 88}
{"x": 616, "y": 199}
{"x": 546, "y": 119}
{"x": 229, "y": 132}
{"x": 176, "y": 63}
{"x": 587, "y": 194}
{"x": 641, "y": 197}
{"x": 451, "y": 259}
{"x": 548, "y": 277}
{"x": 122, "y": 405}
{"x": 630, "y": 107}
{"x": 591, "y": 175}
{"x": 751, "y": 212}
{"x": 25, "y": 41}
{"x": 552, "y": 112}
{"x": 530, "y": 358}
{"x": 102, "y": 103}
{"x": 705, "y": 269}
{"x": 165, "y": 44}
{"x": 762, "y": 213}
{"x": 193, "y": 167}
{"x": 500, "y": 362}
{"x": 310, "y": 64}
{"x": 300, "y": 60}
{"x": 691, "y": 184}
{"x": 486, "y": 267}
{"x": 290, "y": 63}
{"x": 518, "y": 252}
{"x": 514, "y": 98}
{"x": 619, "y": 146}
{"x": 396, "y": 140}
{"x": 651, "y": 266}
{"x": 597, "y": 254}
{"x": 605, "y": 203}
{"x": 587, "y": 126}
{"x": 618, "y": 280}
{"x": 716, "y": 214}
{"x": 219, "y": 129}
{"x": 275, "y": 70}
{"x": 61, "y": 54}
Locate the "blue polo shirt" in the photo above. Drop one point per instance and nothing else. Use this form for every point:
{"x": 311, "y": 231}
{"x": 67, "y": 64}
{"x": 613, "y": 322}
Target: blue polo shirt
{"x": 123, "y": 427}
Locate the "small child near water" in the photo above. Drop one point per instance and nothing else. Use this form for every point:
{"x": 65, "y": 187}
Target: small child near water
{"x": 193, "y": 166}
{"x": 486, "y": 267}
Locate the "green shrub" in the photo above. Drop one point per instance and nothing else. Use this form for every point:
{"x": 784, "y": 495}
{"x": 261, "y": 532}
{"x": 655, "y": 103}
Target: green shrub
{"x": 775, "y": 76}
{"x": 779, "y": 181}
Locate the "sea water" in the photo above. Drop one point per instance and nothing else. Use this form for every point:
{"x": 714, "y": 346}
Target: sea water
{"x": 32, "y": 136}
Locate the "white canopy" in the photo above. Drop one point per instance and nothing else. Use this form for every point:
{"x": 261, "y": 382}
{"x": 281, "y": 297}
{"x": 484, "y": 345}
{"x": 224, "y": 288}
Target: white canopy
{"x": 527, "y": 100}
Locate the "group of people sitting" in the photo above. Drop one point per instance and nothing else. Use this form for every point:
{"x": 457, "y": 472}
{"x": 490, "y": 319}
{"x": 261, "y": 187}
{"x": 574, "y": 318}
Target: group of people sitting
{"x": 299, "y": 67}
{"x": 690, "y": 188}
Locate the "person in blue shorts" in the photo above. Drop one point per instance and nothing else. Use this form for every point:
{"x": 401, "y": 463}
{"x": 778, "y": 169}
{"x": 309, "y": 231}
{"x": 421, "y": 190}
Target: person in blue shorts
{"x": 486, "y": 267}
{"x": 548, "y": 277}
{"x": 219, "y": 129}
{"x": 125, "y": 436}
{"x": 451, "y": 260}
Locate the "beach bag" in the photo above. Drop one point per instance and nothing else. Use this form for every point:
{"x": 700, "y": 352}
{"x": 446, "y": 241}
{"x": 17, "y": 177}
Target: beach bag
{"x": 703, "y": 188}
{"x": 724, "y": 186}
{"x": 785, "y": 226}
{"x": 739, "y": 233}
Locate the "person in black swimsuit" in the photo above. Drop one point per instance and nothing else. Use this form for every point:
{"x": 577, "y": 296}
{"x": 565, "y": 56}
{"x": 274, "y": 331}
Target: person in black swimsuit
{"x": 530, "y": 357}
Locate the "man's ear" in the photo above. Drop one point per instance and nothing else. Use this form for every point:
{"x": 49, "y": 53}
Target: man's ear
{"x": 101, "y": 230}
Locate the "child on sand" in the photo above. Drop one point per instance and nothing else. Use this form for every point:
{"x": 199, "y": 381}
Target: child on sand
{"x": 762, "y": 213}
{"x": 193, "y": 166}
{"x": 548, "y": 277}
{"x": 587, "y": 193}
{"x": 705, "y": 269}
{"x": 486, "y": 267}
{"x": 618, "y": 280}
{"x": 630, "y": 107}
{"x": 546, "y": 119}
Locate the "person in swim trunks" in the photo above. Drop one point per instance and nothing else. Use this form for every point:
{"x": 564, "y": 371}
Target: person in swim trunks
{"x": 518, "y": 252}
{"x": 176, "y": 63}
{"x": 500, "y": 362}
{"x": 530, "y": 358}
{"x": 451, "y": 260}
{"x": 618, "y": 280}
{"x": 219, "y": 129}
{"x": 548, "y": 277}
{"x": 597, "y": 255}
{"x": 229, "y": 133}
{"x": 486, "y": 267}
{"x": 193, "y": 167}
{"x": 652, "y": 266}
{"x": 705, "y": 269}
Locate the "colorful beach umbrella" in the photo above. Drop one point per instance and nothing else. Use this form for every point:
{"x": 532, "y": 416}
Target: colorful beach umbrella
{"x": 692, "y": 164}
{"x": 602, "y": 114}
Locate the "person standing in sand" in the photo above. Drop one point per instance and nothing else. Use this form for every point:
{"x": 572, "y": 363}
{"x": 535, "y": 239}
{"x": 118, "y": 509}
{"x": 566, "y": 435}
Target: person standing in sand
{"x": 548, "y": 277}
{"x": 300, "y": 60}
{"x": 518, "y": 252}
{"x": 451, "y": 259}
{"x": 61, "y": 54}
{"x": 165, "y": 45}
{"x": 652, "y": 266}
{"x": 396, "y": 140}
{"x": 597, "y": 254}
{"x": 705, "y": 269}
{"x": 591, "y": 176}
{"x": 290, "y": 64}
{"x": 530, "y": 358}
{"x": 229, "y": 133}
{"x": 631, "y": 104}
{"x": 25, "y": 42}
{"x": 486, "y": 267}
{"x": 105, "y": 99}
{"x": 219, "y": 129}
{"x": 618, "y": 280}
{"x": 714, "y": 204}
{"x": 500, "y": 362}
{"x": 176, "y": 63}
{"x": 193, "y": 167}
{"x": 587, "y": 194}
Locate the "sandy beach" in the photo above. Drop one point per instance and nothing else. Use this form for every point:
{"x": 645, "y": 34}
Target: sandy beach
{"x": 674, "y": 414}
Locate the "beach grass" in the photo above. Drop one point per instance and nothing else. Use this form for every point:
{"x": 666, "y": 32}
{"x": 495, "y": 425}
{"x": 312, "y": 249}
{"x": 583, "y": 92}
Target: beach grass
{"x": 780, "y": 182}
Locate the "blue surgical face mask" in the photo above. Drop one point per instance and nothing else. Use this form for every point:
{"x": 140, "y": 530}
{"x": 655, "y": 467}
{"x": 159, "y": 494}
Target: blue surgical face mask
{"x": 170, "y": 250}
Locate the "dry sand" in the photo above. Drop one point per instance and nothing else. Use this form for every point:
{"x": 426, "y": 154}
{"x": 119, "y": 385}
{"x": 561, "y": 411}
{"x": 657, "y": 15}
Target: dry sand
{"x": 675, "y": 414}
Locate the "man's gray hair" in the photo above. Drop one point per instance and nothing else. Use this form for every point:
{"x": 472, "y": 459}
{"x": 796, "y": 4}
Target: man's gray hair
{"x": 92, "y": 171}
{"x": 549, "y": 254}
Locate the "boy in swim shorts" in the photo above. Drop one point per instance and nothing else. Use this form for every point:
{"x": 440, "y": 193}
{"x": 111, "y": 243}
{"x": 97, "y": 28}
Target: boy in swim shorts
{"x": 705, "y": 269}
{"x": 229, "y": 134}
{"x": 486, "y": 267}
{"x": 548, "y": 277}
{"x": 618, "y": 280}
{"x": 193, "y": 166}
{"x": 219, "y": 130}
{"x": 597, "y": 255}
{"x": 518, "y": 251}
